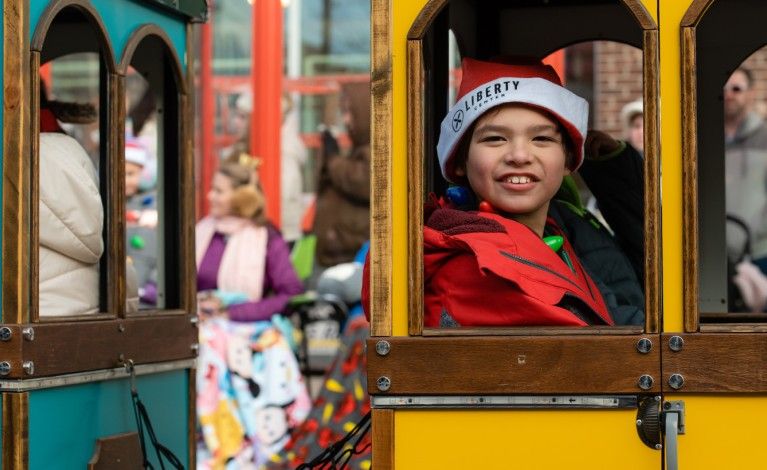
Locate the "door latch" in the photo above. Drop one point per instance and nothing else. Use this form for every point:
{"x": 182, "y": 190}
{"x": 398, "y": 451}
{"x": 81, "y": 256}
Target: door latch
{"x": 655, "y": 417}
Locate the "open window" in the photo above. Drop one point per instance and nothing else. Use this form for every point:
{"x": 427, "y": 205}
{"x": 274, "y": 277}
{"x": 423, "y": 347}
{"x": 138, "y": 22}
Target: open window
{"x": 71, "y": 169}
{"x": 725, "y": 154}
{"x": 613, "y": 66}
{"x": 153, "y": 96}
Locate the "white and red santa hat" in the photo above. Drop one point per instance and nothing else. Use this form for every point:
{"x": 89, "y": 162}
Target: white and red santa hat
{"x": 486, "y": 85}
{"x": 135, "y": 152}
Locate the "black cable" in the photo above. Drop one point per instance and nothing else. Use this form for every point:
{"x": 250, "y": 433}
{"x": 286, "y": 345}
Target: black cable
{"x": 142, "y": 419}
{"x": 331, "y": 456}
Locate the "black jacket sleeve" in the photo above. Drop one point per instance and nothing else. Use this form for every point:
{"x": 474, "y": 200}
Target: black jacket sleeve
{"x": 618, "y": 185}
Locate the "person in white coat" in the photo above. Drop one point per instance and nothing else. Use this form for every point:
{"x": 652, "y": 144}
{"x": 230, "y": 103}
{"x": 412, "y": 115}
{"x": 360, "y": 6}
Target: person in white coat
{"x": 71, "y": 222}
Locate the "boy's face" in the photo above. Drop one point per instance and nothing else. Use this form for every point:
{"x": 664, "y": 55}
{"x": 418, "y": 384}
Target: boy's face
{"x": 132, "y": 178}
{"x": 516, "y": 162}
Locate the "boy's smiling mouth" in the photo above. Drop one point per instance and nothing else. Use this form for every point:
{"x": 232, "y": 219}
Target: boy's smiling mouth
{"x": 518, "y": 179}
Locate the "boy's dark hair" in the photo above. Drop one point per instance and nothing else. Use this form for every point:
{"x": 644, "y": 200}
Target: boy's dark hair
{"x": 461, "y": 154}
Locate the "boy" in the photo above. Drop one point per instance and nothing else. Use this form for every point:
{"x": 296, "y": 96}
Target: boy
{"x": 512, "y": 136}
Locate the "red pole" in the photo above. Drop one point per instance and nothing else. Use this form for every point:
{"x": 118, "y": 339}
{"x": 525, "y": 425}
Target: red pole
{"x": 266, "y": 118}
{"x": 207, "y": 109}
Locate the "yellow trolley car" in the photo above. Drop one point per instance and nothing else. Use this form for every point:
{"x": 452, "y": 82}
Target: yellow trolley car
{"x": 687, "y": 389}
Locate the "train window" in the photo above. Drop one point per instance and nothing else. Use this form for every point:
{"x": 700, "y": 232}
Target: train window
{"x": 142, "y": 220}
{"x": 726, "y": 146}
{"x": 152, "y": 171}
{"x": 601, "y": 204}
{"x": 71, "y": 171}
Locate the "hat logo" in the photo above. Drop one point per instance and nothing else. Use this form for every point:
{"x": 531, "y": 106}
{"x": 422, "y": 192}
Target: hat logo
{"x": 457, "y": 120}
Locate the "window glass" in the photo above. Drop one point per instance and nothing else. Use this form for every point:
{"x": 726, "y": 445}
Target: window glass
{"x": 742, "y": 244}
{"x": 72, "y": 187}
{"x": 143, "y": 225}
{"x": 152, "y": 175}
{"x": 585, "y": 211}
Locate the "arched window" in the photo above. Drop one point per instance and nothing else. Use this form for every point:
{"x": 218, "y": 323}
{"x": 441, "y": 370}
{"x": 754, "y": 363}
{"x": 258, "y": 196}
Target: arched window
{"x": 153, "y": 92}
{"x": 612, "y": 65}
{"x": 71, "y": 168}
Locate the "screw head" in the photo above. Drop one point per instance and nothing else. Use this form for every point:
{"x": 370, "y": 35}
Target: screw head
{"x": 639, "y": 422}
{"x": 645, "y": 382}
{"x": 676, "y": 381}
{"x": 676, "y": 343}
{"x": 658, "y": 446}
{"x": 29, "y": 367}
{"x": 383, "y": 383}
{"x": 28, "y": 333}
{"x": 383, "y": 347}
{"x": 5, "y": 334}
{"x": 644, "y": 345}
{"x": 5, "y": 368}
{"x": 120, "y": 327}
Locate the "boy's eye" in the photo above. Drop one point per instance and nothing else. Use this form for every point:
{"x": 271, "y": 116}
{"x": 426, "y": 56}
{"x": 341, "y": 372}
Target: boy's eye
{"x": 545, "y": 138}
{"x": 492, "y": 138}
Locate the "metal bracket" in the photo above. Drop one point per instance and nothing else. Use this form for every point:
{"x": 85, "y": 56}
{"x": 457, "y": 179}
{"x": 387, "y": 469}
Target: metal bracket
{"x": 678, "y": 408}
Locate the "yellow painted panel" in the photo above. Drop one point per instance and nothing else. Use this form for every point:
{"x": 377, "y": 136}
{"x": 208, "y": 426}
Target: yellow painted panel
{"x": 671, "y": 13}
{"x": 723, "y": 432}
{"x": 403, "y": 14}
{"x": 652, "y": 8}
{"x": 523, "y": 439}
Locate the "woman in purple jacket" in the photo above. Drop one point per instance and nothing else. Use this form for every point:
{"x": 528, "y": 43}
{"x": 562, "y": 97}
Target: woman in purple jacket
{"x": 243, "y": 264}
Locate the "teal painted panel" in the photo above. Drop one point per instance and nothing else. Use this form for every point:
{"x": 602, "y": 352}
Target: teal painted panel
{"x": 65, "y": 422}
{"x": 122, "y": 17}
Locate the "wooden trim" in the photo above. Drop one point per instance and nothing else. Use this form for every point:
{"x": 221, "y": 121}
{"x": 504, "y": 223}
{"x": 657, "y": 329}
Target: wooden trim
{"x": 425, "y": 18}
{"x": 383, "y": 439}
{"x": 717, "y": 363}
{"x": 652, "y": 225}
{"x": 81, "y": 346}
{"x": 695, "y": 12}
{"x": 89, "y": 11}
{"x": 513, "y": 365}
{"x": 189, "y": 281}
{"x": 641, "y": 14}
{"x": 381, "y": 230}
{"x": 141, "y": 33}
{"x": 72, "y": 318}
{"x": 117, "y": 289}
{"x": 689, "y": 183}
{"x": 415, "y": 159}
{"x": 734, "y": 328}
{"x": 34, "y": 186}
{"x": 534, "y": 331}
{"x": 15, "y": 431}
{"x": 16, "y": 174}
{"x": 117, "y": 452}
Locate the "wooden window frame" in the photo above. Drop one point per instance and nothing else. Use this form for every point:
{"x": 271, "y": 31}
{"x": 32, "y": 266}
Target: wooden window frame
{"x": 417, "y": 154}
{"x": 690, "y": 195}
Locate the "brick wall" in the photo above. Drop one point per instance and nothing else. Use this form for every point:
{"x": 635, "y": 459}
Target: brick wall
{"x": 617, "y": 80}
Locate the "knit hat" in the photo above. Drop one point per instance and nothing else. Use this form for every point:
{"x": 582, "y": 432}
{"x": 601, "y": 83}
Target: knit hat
{"x": 486, "y": 85}
{"x": 630, "y": 111}
{"x": 135, "y": 152}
